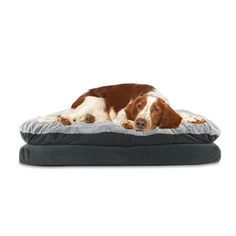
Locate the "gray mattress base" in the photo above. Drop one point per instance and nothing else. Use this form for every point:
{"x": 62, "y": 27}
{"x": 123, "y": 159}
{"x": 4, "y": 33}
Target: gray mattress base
{"x": 90, "y": 155}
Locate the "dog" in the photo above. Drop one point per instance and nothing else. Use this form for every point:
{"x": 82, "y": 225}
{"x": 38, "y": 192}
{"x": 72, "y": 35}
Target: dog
{"x": 133, "y": 106}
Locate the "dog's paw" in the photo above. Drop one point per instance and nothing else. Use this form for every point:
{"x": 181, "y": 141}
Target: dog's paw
{"x": 127, "y": 124}
{"x": 198, "y": 121}
{"x": 65, "y": 121}
{"x": 89, "y": 118}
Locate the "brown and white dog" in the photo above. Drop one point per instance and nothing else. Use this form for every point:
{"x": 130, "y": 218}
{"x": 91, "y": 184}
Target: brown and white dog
{"x": 133, "y": 106}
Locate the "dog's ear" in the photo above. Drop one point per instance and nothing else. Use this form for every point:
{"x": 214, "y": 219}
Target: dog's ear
{"x": 129, "y": 110}
{"x": 169, "y": 118}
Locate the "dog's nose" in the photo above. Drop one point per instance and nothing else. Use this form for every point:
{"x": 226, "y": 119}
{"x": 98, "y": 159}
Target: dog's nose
{"x": 141, "y": 124}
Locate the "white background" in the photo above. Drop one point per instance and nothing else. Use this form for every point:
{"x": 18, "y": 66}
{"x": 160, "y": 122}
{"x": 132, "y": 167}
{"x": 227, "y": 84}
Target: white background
{"x": 52, "y": 51}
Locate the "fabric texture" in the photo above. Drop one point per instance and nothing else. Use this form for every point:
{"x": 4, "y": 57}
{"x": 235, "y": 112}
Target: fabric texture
{"x": 115, "y": 139}
{"x": 107, "y": 133}
{"x": 105, "y": 144}
{"x": 35, "y": 127}
{"x": 87, "y": 155}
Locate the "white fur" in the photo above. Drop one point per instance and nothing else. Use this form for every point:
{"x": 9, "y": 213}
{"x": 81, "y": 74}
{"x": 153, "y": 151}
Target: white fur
{"x": 120, "y": 117}
{"x": 92, "y": 105}
{"x": 112, "y": 113}
{"x": 48, "y": 119}
{"x": 145, "y": 113}
{"x": 157, "y": 94}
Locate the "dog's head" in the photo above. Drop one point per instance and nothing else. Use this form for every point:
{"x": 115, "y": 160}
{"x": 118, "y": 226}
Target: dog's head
{"x": 149, "y": 112}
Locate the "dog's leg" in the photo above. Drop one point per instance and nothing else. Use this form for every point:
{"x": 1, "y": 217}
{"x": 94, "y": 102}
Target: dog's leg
{"x": 85, "y": 112}
{"x": 48, "y": 119}
{"x": 91, "y": 110}
{"x": 121, "y": 119}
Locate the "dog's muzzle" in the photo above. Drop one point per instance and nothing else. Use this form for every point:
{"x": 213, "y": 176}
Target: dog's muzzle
{"x": 141, "y": 124}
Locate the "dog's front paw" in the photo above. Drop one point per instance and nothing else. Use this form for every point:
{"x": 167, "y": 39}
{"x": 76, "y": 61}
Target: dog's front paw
{"x": 128, "y": 124}
{"x": 89, "y": 118}
{"x": 198, "y": 121}
{"x": 65, "y": 121}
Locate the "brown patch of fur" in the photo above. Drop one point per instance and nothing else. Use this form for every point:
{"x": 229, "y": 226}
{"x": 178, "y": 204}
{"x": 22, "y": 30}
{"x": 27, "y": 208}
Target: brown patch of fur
{"x": 116, "y": 96}
{"x": 168, "y": 117}
{"x": 155, "y": 115}
{"x": 80, "y": 100}
{"x": 135, "y": 107}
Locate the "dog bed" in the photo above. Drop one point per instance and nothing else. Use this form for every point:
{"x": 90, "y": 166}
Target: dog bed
{"x": 104, "y": 143}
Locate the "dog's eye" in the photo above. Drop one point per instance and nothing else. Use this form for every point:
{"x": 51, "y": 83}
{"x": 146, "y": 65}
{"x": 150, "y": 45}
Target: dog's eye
{"x": 139, "y": 105}
{"x": 156, "y": 109}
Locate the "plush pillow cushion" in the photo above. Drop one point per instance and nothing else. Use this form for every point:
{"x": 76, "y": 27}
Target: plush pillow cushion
{"x": 91, "y": 155}
{"x": 108, "y": 134}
